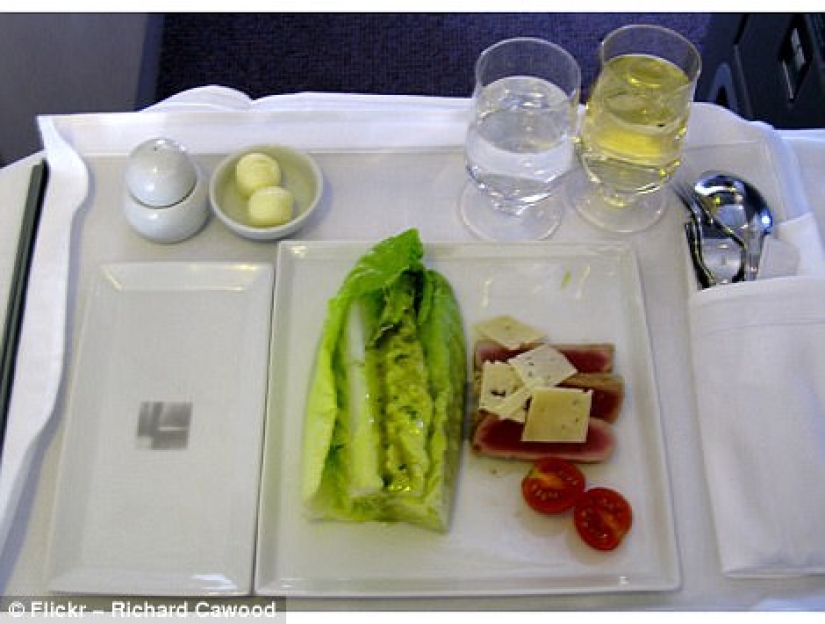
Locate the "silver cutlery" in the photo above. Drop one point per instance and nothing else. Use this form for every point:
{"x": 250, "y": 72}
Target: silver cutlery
{"x": 717, "y": 253}
{"x": 737, "y": 204}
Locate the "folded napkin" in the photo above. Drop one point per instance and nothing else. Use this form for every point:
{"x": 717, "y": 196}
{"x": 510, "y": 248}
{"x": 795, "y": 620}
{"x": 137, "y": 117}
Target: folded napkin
{"x": 758, "y": 353}
{"x": 802, "y": 233}
{"x": 793, "y": 248}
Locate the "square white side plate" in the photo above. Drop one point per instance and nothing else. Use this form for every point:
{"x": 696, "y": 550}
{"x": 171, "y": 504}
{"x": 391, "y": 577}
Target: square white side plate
{"x": 496, "y": 544}
{"x": 159, "y": 472}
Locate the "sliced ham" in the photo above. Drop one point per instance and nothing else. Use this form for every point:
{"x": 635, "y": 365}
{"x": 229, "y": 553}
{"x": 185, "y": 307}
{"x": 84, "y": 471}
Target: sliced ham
{"x": 587, "y": 358}
{"x": 497, "y": 437}
{"x": 608, "y": 393}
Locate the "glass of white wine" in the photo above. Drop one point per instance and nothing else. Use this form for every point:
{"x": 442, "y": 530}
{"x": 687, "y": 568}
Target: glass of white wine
{"x": 634, "y": 125}
{"x": 520, "y": 141}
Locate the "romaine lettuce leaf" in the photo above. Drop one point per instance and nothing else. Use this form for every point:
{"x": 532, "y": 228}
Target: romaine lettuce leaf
{"x": 385, "y": 408}
{"x": 441, "y": 332}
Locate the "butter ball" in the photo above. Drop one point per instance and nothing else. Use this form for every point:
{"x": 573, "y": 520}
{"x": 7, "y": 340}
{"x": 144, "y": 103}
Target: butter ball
{"x": 270, "y": 206}
{"x": 255, "y": 171}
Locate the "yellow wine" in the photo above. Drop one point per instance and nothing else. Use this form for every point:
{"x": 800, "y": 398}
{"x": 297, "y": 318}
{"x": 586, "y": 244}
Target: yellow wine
{"x": 635, "y": 121}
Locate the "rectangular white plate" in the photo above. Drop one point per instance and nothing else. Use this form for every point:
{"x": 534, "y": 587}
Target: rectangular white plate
{"x": 158, "y": 483}
{"x": 496, "y": 544}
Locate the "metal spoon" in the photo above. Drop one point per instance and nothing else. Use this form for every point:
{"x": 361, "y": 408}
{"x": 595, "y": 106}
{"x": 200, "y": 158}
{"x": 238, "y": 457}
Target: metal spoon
{"x": 717, "y": 253}
{"x": 722, "y": 255}
{"x": 737, "y": 204}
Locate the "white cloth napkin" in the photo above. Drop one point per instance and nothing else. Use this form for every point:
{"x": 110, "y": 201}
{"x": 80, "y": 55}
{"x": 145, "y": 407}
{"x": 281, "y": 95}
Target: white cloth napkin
{"x": 759, "y": 370}
{"x": 794, "y": 248}
{"x": 802, "y": 232}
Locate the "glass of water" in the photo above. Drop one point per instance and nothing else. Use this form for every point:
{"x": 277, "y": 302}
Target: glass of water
{"x": 520, "y": 141}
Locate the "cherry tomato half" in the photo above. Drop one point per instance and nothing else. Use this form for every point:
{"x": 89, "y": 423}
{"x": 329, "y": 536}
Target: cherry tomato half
{"x": 552, "y": 485}
{"x": 602, "y": 517}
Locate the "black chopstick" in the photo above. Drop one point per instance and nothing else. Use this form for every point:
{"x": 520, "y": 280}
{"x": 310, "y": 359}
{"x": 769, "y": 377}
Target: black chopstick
{"x": 19, "y": 283}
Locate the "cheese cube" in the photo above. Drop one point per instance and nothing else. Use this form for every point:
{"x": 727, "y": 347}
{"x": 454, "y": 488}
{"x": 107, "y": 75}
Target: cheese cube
{"x": 509, "y": 332}
{"x": 557, "y": 415}
{"x": 542, "y": 366}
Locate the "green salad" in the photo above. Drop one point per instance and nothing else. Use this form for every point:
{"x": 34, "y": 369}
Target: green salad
{"x": 382, "y": 430}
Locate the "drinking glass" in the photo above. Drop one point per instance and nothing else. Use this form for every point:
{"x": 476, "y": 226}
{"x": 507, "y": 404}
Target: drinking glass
{"x": 633, "y": 128}
{"x": 520, "y": 140}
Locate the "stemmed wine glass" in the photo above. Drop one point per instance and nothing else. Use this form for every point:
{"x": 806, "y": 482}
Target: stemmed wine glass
{"x": 633, "y": 128}
{"x": 520, "y": 140}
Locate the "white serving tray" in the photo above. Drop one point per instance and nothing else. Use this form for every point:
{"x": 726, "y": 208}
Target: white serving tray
{"x": 390, "y": 164}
